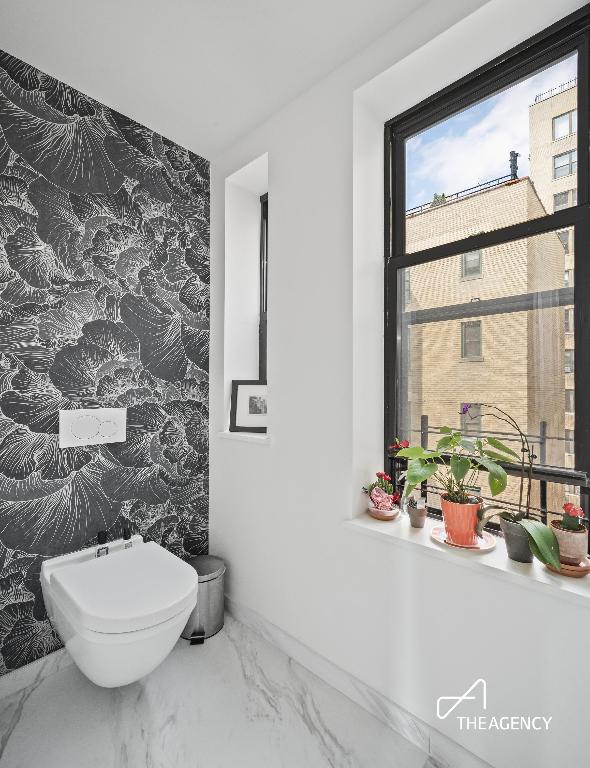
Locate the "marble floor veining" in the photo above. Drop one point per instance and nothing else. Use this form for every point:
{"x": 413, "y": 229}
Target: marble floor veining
{"x": 235, "y": 702}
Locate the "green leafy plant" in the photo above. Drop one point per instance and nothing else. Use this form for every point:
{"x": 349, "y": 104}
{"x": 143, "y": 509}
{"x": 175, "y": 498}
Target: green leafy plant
{"x": 542, "y": 541}
{"x": 456, "y": 463}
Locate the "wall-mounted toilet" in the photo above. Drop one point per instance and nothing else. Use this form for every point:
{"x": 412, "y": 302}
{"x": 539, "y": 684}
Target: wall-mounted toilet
{"x": 120, "y": 615}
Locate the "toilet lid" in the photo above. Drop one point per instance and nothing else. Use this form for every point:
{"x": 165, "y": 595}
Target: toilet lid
{"x": 127, "y": 590}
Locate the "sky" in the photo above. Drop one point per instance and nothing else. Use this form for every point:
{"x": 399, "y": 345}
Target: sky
{"x": 473, "y": 146}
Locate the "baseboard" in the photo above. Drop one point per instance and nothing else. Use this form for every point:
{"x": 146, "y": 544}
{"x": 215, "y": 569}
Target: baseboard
{"x": 442, "y": 750}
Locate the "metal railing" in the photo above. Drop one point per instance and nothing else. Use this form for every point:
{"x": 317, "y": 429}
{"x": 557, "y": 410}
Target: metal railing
{"x": 460, "y": 195}
{"x": 554, "y": 91}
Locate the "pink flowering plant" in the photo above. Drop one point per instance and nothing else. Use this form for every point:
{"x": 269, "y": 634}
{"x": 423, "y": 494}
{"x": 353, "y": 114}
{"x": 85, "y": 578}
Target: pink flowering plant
{"x": 381, "y": 492}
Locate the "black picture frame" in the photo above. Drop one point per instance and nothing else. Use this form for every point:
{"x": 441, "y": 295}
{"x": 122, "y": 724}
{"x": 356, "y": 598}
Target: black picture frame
{"x": 233, "y": 410}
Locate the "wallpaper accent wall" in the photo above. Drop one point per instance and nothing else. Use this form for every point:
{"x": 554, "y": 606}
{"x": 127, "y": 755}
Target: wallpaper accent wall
{"x": 104, "y": 302}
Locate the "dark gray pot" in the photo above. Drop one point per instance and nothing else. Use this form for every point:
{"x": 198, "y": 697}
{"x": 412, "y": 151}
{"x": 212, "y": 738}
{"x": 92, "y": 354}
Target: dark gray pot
{"x": 517, "y": 541}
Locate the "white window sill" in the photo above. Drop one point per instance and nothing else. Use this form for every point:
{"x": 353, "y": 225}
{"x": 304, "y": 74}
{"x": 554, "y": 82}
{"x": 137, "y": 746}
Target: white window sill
{"x": 495, "y": 563}
{"x": 261, "y": 438}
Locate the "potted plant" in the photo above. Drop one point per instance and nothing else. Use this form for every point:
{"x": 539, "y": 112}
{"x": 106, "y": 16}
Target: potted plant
{"x": 383, "y": 498}
{"x": 416, "y": 511}
{"x": 571, "y": 534}
{"x": 455, "y": 466}
{"x": 524, "y": 536}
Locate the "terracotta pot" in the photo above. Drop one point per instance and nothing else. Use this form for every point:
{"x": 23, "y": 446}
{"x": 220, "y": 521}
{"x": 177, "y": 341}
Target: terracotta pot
{"x": 573, "y": 545}
{"x": 460, "y": 521}
{"x": 517, "y": 541}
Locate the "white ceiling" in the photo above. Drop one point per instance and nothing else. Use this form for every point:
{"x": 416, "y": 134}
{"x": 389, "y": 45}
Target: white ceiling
{"x": 202, "y": 72}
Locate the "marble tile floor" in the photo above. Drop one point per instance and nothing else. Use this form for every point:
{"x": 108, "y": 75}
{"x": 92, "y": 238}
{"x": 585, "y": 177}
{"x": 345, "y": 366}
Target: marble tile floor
{"x": 235, "y": 702}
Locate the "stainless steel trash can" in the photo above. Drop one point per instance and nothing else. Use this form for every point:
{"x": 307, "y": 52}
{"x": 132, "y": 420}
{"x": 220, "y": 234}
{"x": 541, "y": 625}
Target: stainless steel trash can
{"x": 207, "y": 617}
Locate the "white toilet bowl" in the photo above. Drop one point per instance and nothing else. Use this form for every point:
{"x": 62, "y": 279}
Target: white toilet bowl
{"x": 119, "y": 615}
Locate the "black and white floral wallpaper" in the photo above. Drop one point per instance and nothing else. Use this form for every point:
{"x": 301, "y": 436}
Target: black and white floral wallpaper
{"x": 104, "y": 301}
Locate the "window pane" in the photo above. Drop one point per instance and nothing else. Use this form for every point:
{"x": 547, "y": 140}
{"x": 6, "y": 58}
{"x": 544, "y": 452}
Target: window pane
{"x": 564, "y": 236}
{"x": 471, "y": 264}
{"x": 499, "y": 340}
{"x": 565, "y": 164}
{"x": 459, "y": 179}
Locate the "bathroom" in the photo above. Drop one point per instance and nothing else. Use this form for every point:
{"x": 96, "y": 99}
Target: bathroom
{"x": 198, "y": 358}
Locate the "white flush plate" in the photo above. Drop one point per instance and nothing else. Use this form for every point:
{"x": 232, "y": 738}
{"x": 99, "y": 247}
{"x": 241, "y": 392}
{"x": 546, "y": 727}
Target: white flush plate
{"x": 92, "y": 426}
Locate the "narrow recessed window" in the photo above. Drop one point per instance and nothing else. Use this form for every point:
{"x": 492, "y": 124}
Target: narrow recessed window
{"x": 262, "y": 327}
{"x": 569, "y": 320}
{"x": 568, "y": 278}
{"x": 565, "y": 164}
{"x": 471, "y": 265}
{"x": 565, "y": 125}
{"x": 570, "y": 406}
{"x": 560, "y": 201}
{"x": 471, "y": 340}
{"x": 569, "y": 360}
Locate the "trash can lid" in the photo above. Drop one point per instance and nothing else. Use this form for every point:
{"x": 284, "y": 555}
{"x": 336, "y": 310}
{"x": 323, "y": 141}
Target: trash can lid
{"x": 207, "y": 567}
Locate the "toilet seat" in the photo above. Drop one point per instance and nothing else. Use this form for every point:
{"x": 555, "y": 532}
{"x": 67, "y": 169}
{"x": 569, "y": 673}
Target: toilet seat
{"x": 136, "y": 589}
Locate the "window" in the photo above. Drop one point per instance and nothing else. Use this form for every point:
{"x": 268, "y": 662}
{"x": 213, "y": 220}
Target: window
{"x": 569, "y": 402}
{"x": 471, "y": 265}
{"x": 564, "y": 200}
{"x": 524, "y": 299}
{"x": 471, "y": 340}
{"x": 564, "y": 237}
{"x": 471, "y": 420}
{"x": 569, "y": 441}
{"x": 262, "y": 327}
{"x": 565, "y": 164}
{"x": 564, "y": 125}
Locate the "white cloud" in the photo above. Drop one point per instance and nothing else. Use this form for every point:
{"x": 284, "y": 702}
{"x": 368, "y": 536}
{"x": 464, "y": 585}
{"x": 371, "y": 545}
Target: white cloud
{"x": 454, "y": 162}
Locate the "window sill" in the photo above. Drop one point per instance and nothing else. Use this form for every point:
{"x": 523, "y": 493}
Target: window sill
{"x": 495, "y": 563}
{"x": 246, "y": 437}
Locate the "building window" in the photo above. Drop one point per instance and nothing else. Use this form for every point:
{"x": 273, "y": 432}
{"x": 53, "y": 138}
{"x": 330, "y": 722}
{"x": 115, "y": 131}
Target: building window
{"x": 564, "y": 237}
{"x": 471, "y": 419}
{"x": 569, "y": 441}
{"x": 471, "y": 340}
{"x": 471, "y": 265}
{"x": 565, "y": 164}
{"x": 526, "y": 299}
{"x": 570, "y": 401}
{"x": 564, "y": 125}
{"x": 563, "y": 200}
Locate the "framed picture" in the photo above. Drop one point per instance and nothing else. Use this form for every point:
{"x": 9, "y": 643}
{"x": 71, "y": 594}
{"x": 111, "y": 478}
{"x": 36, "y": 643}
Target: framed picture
{"x": 248, "y": 410}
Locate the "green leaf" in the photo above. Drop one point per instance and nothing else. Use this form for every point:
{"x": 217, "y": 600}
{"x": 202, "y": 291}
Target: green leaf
{"x": 543, "y": 542}
{"x": 445, "y": 442}
{"x": 445, "y": 430}
{"x": 497, "y": 478}
{"x": 460, "y": 466}
{"x": 417, "y": 452}
{"x": 418, "y": 472}
{"x": 499, "y": 446}
{"x": 468, "y": 445}
{"x": 498, "y": 456}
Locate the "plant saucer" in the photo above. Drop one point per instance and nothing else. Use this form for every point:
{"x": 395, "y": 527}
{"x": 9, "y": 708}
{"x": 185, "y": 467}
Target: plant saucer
{"x": 488, "y": 542}
{"x": 573, "y": 571}
{"x": 380, "y": 514}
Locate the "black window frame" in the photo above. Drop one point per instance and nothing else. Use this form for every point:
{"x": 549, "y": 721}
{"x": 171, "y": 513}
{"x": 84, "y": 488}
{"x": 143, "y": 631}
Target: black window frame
{"x": 263, "y": 291}
{"x": 569, "y": 35}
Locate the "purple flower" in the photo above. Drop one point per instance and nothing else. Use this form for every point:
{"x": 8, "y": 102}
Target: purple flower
{"x": 465, "y": 408}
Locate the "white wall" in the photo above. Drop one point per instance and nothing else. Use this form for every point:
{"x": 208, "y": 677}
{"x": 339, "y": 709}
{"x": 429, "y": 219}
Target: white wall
{"x": 412, "y": 627}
